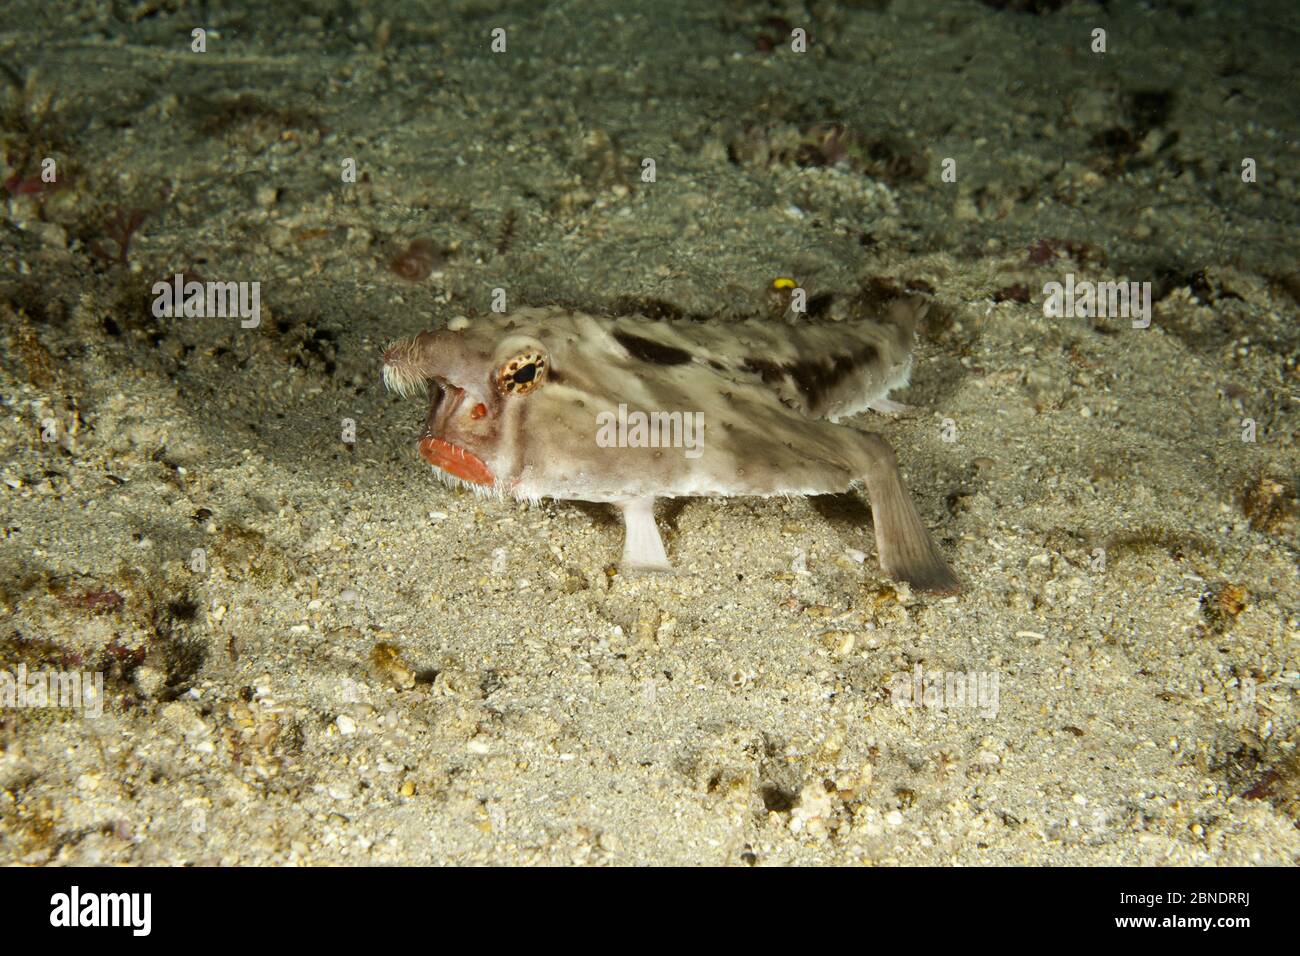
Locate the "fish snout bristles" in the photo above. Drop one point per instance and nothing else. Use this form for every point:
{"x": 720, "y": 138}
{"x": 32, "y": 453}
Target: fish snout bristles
{"x": 402, "y": 371}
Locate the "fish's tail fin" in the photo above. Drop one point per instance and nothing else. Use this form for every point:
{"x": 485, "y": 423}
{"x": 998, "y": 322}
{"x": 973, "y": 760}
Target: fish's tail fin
{"x": 904, "y": 315}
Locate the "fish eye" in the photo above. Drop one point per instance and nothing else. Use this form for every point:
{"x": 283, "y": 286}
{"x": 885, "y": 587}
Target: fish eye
{"x": 522, "y": 374}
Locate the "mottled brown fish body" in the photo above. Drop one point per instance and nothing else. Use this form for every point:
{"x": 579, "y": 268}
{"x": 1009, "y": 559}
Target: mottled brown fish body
{"x": 547, "y": 403}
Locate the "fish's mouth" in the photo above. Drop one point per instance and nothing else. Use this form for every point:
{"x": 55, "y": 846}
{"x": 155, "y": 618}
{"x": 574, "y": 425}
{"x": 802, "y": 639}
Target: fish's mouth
{"x": 455, "y": 461}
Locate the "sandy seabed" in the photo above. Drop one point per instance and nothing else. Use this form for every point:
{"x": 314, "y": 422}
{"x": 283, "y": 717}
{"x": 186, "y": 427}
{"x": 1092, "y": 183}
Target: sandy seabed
{"x": 313, "y": 652}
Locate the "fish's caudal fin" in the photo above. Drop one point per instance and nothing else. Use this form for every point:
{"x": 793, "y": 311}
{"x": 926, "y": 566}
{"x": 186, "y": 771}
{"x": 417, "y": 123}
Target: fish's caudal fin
{"x": 643, "y": 549}
{"x": 904, "y": 315}
{"x": 906, "y": 551}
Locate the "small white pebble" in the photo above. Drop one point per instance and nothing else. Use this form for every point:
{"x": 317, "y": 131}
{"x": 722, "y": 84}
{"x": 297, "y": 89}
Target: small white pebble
{"x": 345, "y": 724}
{"x": 266, "y": 196}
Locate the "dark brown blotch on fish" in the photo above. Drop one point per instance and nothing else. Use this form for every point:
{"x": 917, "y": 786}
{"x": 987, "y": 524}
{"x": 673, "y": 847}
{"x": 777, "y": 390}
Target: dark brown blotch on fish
{"x": 817, "y": 377}
{"x": 648, "y": 350}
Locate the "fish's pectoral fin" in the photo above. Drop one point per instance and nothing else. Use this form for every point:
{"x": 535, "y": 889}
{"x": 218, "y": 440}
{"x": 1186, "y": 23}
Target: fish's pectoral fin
{"x": 885, "y": 407}
{"x": 643, "y": 549}
{"x": 906, "y": 550}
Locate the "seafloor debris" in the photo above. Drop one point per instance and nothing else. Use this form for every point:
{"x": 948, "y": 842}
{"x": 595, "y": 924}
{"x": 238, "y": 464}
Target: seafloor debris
{"x": 387, "y": 665}
{"x": 417, "y": 261}
{"x": 1269, "y": 505}
{"x": 884, "y": 156}
{"x": 1222, "y": 605}
{"x": 118, "y": 228}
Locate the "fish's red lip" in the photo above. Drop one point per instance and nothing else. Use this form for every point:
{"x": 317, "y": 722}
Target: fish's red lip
{"x": 455, "y": 461}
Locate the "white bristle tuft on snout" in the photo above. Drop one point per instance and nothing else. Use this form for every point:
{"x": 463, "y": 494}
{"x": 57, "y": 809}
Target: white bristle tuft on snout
{"x": 399, "y": 379}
